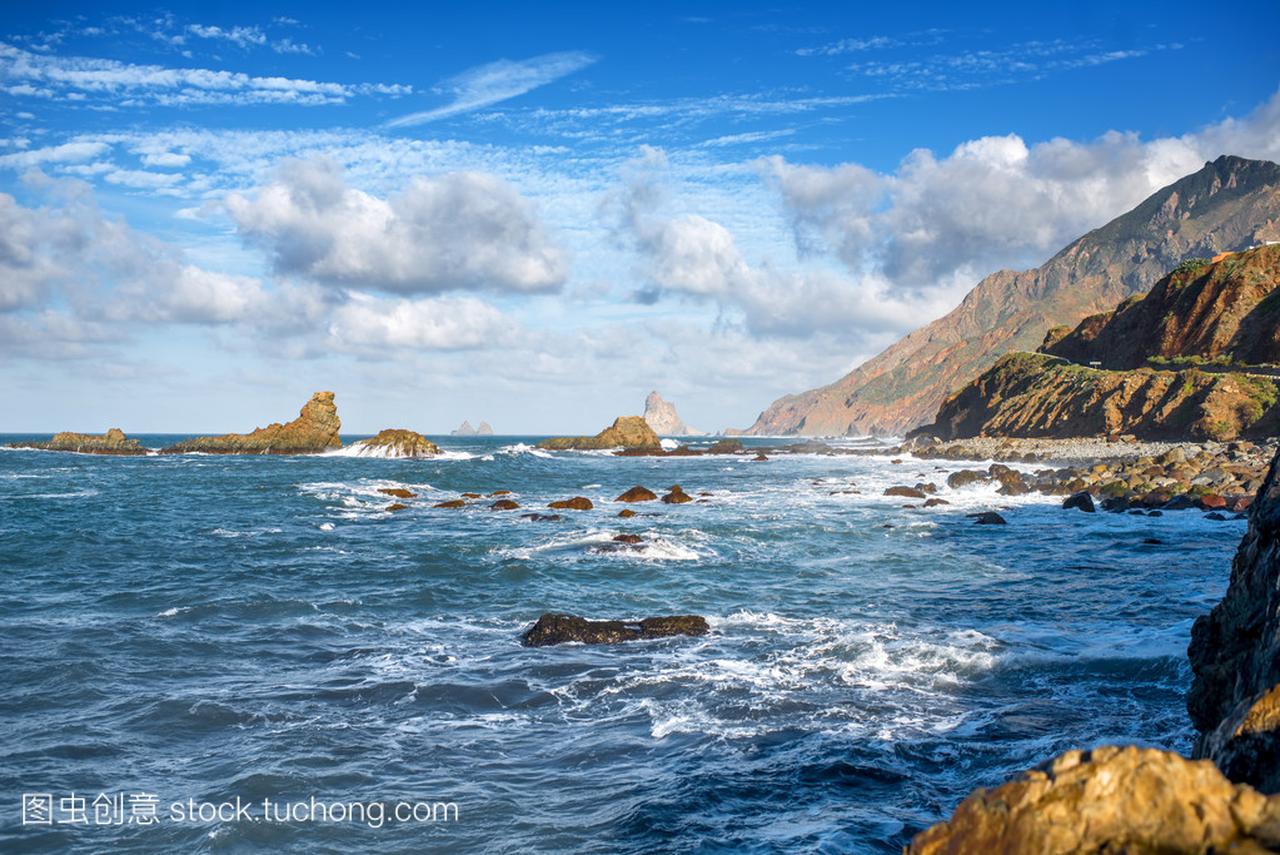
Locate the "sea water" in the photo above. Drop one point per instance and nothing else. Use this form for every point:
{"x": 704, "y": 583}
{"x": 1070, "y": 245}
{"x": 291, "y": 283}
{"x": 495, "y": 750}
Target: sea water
{"x": 200, "y": 628}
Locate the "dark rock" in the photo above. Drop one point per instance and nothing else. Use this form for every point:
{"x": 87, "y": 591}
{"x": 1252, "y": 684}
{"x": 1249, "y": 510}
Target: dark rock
{"x": 905, "y": 492}
{"x": 933, "y": 503}
{"x": 626, "y": 512}
{"x": 451, "y": 503}
{"x": 1152, "y": 541}
{"x": 396, "y": 506}
{"x": 760, "y": 458}
{"x": 628, "y": 538}
{"x": 496, "y": 493}
{"x": 988, "y": 518}
{"x": 677, "y": 496}
{"x": 637, "y": 494}
{"x": 964, "y": 478}
{"x": 504, "y": 505}
{"x": 559, "y": 628}
{"x": 1011, "y": 481}
{"x": 541, "y": 517}
{"x": 397, "y": 492}
{"x": 1082, "y": 501}
{"x": 1155, "y": 513}
{"x": 471, "y": 496}
{"x": 725, "y": 446}
{"x": 1214, "y": 515}
{"x": 1179, "y": 503}
{"x": 577, "y": 503}
{"x": 1117, "y": 504}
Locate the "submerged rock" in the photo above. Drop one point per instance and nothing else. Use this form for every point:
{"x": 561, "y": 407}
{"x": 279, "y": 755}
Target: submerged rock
{"x": 313, "y": 431}
{"x": 113, "y": 441}
{"x": 905, "y": 492}
{"x": 637, "y": 494}
{"x": 1081, "y": 501}
{"x": 396, "y": 442}
{"x": 561, "y": 628}
{"x": 626, "y": 432}
{"x": 397, "y": 492}
{"x": 542, "y": 517}
{"x": 628, "y": 538}
{"x": 626, "y": 513}
{"x": 676, "y": 496}
{"x": 451, "y": 504}
{"x": 577, "y": 503}
{"x": 1111, "y": 799}
{"x": 988, "y": 518}
{"x": 725, "y": 446}
{"x": 396, "y": 506}
{"x": 504, "y": 505}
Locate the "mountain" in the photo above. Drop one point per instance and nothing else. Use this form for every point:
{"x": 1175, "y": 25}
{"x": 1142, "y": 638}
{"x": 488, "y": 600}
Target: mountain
{"x": 1230, "y": 204}
{"x": 663, "y": 418}
{"x": 1193, "y": 359}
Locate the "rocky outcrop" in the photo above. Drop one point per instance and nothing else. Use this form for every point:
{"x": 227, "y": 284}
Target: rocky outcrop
{"x": 664, "y": 419}
{"x": 313, "y": 431}
{"x": 465, "y": 429}
{"x": 1112, "y": 799}
{"x": 1230, "y": 204}
{"x": 1235, "y": 654}
{"x": 394, "y": 442}
{"x": 637, "y": 494}
{"x": 484, "y": 430}
{"x": 560, "y": 628}
{"x": 626, "y": 432}
{"x": 112, "y": 442}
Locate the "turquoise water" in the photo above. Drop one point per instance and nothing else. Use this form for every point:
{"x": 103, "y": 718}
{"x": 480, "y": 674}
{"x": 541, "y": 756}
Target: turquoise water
{"x": 203, "y": 628}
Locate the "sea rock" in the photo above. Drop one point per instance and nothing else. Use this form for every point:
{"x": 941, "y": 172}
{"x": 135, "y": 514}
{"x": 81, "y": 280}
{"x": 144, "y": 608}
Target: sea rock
{"x": 396, "y": 442}
{"x": 725, "y": 446}
{"x": 628, "y": 538}
{"x": 112, "y": 442}
{"x": 577, "y": 503}
{"x": 471, "y": 495}
{"x": 561, "y": 628}
{"x": 1110, "y": 800}
{"x": 760, "y": 458}
{"x": 451, "y": 504}
{"x": 664, "y": 419}
{"x": 396, "y": 506}
{"x": 905, "y": 492}
{"x": 1081, "y": 501}
{"x": 542, "y": 517}
{"x": 1010, "y": 480}
{"x": 496, "y": 493}
{"x": 313, "y": 431}
{"x": 504, "y": 505}
{"x": 626, "y": 513}
{"x": 933, "y": 503}
{"x": 988, "y": 518}
{"x": 676, "y": 496}
{"x": 398, "y": 492}
{"x": 637, "y": 494}
{"x": 485, "y": 429}
{"x": 626, "y": 432}
{"x": 965, "y": 477}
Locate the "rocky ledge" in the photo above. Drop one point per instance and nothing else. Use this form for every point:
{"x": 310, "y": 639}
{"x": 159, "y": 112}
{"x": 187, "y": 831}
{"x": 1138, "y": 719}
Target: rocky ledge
{"x": 560, "y": 628}
{"x": 626, "y": 432}
{"x": 395, "y": 442}
{"x": 112, "y": 442}
{"x": 313, "y": 431}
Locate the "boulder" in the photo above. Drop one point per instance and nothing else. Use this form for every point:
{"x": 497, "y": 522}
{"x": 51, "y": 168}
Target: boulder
{"x": 471, "y": 496}
{"x": 1010, "y": 480}
{"x": 933, "y": 503}
{"x": 112, "y": 442}
{"x": 1111, "y": 799}
{"x": 561, "y": 628}
{"x": 676, "y": 496}
{"x": 395, "y": 442}
{"x": 541, "y": 517}
{"x": 628, "y": 538}
{"x": 637, "y": 494}
{"x": 496, "y": 493}
{"x": 626, "y": 513}
{"x": 626, "y": 432}
{"x": 964, "y": 478}
{"x": 725, "y": 446}
{"x": 451, "y": 503}
{"x": 577, "y": 503}
{"x": 905, "y": 492}
{"x": 760, "y": 458}
{"x": 504, "y": 505}
{"x": 397, "y": 492}
{"x": 313, "y": 431}
{"x": 1082, "y": 501}
{"x": 396, "y": 506}
{"x": 988, "y": 518}
{"x": 1212, "y": 502}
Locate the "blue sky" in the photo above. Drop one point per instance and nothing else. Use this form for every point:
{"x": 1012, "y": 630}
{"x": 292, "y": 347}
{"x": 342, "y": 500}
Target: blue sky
{"x": 535, "y": 215}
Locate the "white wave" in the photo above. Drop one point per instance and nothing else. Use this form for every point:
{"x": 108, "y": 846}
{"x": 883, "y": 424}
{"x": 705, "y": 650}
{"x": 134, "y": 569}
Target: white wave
{"x": 655, "y": 547}
{"x": 523, "y": 448}
{"x": 668, "y": 444}
{"x": 173, "y": 612}
{"x": 327, "y": 526}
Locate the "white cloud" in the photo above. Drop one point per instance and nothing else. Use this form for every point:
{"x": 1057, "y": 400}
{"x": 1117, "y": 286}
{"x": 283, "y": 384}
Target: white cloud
{"x": 462, "y": 230}
{"x": 498, "y": 81}
{"x": 240, "y": 36}
{"x": 371, "y": 324}
{"x": 71, "y": 152}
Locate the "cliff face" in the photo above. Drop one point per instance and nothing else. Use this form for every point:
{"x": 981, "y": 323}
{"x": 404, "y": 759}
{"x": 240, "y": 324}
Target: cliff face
{"x": 313, "y": 431}
{"x": 631, "y": 432}
{"x": 663, "y": 418}
{"x": 112, "y": 442}
{"x": 1230, "y": 204}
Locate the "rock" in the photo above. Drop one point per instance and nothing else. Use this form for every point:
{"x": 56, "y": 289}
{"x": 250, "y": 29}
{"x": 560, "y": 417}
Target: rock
{"x": 1111, "y": 799}
{"x": 933, "y": 503}
{"x": 1214, "y": 515}
{"x": 760, "y": 458}
{"x": 988, "y": 518}
{"x": 396, "y": 506}
{"x": 112, "y": 442}
{"x": 811, "y": 446}
{"x": 1152, "y": 541}
{"x": 560, "y": 628}
{"x": 1212, "y": 502}
{"x": 1081, "y": 501}
{"x": 964, "y": 478}
{"x": 464, "y": 429}
{"x": 664, "y": 419}
{"x": 626, "y": 513}
{"x": 471, "y": 496}
{"x": 504, "y": 505}
{"x": 395, "y": 442}
{"x": 1241, "y": 504}
{"x": 313, "y": 431}
{"x": 725, "y": 446}
{"x": 637, "y": 494}
{"x": 626, "y": 432}
{"x": 451, "y": 503}
{"x": 677, "y": 496}
{"x": 1010, "y": 480}
{"x": 485, "y": 429}
{"x": 397, "y": 492}
{"x": 628, "y": 538}
{"x": 1246, "y": 744}
{"x": 905, "y": 492}
{"x": 541, "y": 517}
{"x": 577, "y": 503}
{"x": 496, "y": 493}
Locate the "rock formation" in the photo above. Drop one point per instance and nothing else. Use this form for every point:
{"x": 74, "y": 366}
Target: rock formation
{"x": 1230, "y": 204}
{"x": 663, "y": 418}
{"x": 558, "y": 629}
{"x": 484, "y": 429}
{"x": 313, "y": 431}
{"x": 464, "y": 429}
{"x": 112, "y": 442}
{"x": 395, "y": 442}
{"x": 627, "y": 432}
{"x": 637, "y": 494}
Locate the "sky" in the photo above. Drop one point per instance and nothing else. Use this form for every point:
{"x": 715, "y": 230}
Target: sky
{"x": 533, "y": 215}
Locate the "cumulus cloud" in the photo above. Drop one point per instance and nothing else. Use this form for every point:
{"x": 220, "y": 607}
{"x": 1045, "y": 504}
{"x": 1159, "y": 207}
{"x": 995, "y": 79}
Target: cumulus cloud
{"x": 457, "y": 231}
{"x": 498, "y": 81}
{"x": 367, "y": 323}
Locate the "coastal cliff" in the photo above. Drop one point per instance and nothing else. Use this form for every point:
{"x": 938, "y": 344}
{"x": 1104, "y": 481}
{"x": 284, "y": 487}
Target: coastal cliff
{"x": 663, "y": 418}
{"x": 1230, "y": 204}
{"x": 112, "y": 442}
{"x": 628, "y": 432}
{"x": 1194, "y": 359}
{"x": 313, "y": 431}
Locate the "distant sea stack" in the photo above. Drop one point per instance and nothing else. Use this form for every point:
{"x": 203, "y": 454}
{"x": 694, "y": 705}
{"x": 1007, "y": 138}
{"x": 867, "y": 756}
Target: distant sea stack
{"x": 112, "y": 442}
{"x": 314, "y": 430}
{"x": 465, "y": 429}
{"x": 663, "y": 418}
{"x": 395, "y": 442}
{"x": 1230, "y": 204}
{"x": 1197, "y": 358}
{"x": 627, "y": 432}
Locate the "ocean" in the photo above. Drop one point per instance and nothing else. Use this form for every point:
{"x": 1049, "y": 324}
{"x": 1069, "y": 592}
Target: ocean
{"x": 187, "y": 630}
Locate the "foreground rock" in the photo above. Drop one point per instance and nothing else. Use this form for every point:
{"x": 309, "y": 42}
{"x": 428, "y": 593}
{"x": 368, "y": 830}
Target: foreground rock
{"x": 663, "y": 418}
{"x": 394, "y": 442}
{"x": 637, "y": 494}
{"x": 314, "y": 430}
{"x": 112, "y": 442}
{"x": 626, "y": 432}
{"x": 1112, "y": 799}
{"x": 577, "y": 503}
{"x": 561, "y": 628}
{"x": 676, "y": 496}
